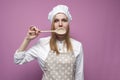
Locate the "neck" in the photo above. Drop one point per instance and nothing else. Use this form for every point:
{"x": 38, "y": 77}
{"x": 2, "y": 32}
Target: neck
{"x": 60, "y": 37}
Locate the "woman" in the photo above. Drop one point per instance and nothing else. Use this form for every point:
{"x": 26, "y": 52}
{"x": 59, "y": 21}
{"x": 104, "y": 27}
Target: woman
{"x": 60, "y": 57}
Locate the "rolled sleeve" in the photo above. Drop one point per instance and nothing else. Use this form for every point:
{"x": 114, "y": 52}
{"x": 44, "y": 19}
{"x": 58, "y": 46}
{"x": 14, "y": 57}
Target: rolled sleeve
{"x": 26, "y": 56}
{"x": 18, "y": 57}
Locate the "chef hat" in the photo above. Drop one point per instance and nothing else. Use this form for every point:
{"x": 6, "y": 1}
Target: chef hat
{"x": 59, "y": 9}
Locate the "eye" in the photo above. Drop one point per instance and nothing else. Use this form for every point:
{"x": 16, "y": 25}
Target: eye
{"x": 56, "y": 20}
{"x": 65, "y": 20}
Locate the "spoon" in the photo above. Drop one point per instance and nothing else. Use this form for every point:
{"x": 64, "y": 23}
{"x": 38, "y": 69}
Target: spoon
{"x": 58, "y": 31}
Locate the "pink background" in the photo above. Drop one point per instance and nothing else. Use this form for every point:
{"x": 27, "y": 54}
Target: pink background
{"x": 96, "y": 23}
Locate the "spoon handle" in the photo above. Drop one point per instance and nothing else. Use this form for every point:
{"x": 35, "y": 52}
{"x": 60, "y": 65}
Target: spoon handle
{"x": 48, "y": 31}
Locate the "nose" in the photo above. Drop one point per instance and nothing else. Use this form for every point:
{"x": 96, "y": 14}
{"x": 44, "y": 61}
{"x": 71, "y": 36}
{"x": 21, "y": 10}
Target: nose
{"x": 60, "y": 24}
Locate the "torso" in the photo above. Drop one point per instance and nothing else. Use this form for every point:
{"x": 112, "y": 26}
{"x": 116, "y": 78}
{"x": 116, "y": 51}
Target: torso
{"x": 59, "y": 67}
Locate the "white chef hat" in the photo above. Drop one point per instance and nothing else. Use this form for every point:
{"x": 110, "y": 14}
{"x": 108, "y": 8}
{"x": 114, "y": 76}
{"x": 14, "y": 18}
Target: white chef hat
{"x": 59, "y": 9}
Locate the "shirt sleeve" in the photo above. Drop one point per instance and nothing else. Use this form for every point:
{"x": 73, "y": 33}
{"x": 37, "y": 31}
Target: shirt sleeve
{"x": 79, "y": 73}
{"x": 26, "y": 56}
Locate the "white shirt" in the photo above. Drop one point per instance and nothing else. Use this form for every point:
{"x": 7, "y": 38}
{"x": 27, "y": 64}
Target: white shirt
{"x": 40, "y": 52}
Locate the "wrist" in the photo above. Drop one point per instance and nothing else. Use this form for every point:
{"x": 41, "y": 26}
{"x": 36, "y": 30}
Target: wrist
{"x": 28, "y": 39}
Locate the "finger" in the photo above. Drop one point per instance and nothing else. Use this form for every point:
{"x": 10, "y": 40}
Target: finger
{"x": 33, "y": 28}
{"x": 31, "y": 32}
{"x": 37, "y": 31}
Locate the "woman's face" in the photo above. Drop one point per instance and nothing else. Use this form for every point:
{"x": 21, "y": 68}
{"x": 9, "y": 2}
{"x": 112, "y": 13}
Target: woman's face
{"x": 61, "y": 20}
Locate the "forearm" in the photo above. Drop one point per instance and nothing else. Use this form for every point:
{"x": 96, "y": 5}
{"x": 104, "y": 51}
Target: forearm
{"x": 24, "y": 44}
{"x": 33, "y": 32}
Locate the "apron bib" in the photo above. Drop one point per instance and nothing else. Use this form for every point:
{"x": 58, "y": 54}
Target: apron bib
{"x": 59, "y": 67}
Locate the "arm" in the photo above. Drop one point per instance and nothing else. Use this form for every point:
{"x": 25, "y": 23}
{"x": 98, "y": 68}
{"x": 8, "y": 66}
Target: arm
{"x": 24, "y": 45}
{"x": 32, "y": 33}
{"x": 79, "y": 74}
{"x": 21, "y": 55}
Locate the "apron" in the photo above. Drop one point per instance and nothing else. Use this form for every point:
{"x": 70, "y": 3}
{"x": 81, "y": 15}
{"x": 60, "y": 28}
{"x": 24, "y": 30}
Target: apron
{"x": 59, "y": 67}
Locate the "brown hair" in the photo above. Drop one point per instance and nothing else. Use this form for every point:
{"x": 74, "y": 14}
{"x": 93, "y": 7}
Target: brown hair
{"x": 53, "y": 44}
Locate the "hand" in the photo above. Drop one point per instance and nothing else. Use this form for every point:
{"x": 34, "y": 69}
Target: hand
{"x": 33, "y": 32}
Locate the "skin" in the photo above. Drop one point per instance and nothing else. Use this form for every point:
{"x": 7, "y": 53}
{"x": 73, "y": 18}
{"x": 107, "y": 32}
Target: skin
{"x": 60, "y": 21}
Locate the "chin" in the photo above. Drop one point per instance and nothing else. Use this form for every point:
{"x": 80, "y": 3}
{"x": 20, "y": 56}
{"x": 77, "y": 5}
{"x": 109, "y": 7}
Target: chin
{"x": 60, "y": 36}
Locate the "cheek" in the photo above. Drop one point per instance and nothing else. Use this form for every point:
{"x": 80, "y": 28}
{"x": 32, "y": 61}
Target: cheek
{"x": 56, "y": 26}
{"x": 66, "y": 26}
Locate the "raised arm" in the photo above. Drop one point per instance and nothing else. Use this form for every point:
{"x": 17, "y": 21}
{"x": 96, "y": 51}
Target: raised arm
{"x": 32, "y": 33}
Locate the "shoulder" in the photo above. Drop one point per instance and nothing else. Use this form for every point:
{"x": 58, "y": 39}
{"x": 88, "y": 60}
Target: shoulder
{"x": 44, "y": 40}
{"x": 75, "y": 42}
{"x": 77, "y": 46}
